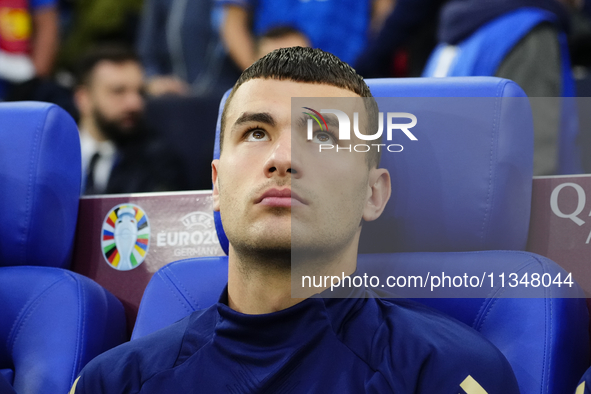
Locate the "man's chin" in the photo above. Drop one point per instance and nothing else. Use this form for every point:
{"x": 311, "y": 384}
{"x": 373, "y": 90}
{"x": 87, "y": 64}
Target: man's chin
{"x": 274, "y": 255}
{"x": 271, "y": 241}
{"x": 127, "y": 129}
{"x": 278, "y": 245}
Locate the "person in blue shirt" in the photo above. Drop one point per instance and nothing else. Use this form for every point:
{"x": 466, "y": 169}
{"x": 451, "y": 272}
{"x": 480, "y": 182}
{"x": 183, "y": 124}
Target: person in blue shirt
{"x": 274, "y": 205}
{"x": 340, "y": 27}
{"x": 181, "y": 50}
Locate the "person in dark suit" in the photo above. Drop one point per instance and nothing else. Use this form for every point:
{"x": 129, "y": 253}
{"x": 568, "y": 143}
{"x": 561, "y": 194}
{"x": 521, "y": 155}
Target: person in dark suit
{"x": 119, "y": 153}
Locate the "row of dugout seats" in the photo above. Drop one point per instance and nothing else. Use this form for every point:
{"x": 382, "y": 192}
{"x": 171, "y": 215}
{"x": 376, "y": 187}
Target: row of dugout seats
{"x": 52, "y": 320}
{"x": 461, "y": 202}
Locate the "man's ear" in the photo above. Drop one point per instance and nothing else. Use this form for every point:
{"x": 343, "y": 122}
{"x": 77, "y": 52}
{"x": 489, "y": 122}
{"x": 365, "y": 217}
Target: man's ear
{"x": 379, "y": 192}
{"x": 82, "y": 100}
{"x": 216, "y": 188}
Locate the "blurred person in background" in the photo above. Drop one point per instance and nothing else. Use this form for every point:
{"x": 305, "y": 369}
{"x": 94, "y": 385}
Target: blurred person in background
{"x": 119, "y": 154}
{"x": 458, "y": 19}
{"x": 339, "y": 27}
{"x": 529, "y": 49}
{"x": 534, "y": 63}
{"x": 87, "y": 23}
{"x": 524, "y": 41}
{"x": 407, "y": 36}
{"x": 28, "y": 43}
{"x": 280, "y": 37}
{"x": 180, "y": 48}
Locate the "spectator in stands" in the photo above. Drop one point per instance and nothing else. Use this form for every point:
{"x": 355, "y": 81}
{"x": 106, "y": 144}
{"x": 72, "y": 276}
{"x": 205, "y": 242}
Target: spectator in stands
{"x": 258, "y": 338}
{"x": 533, "y": 57}
{"x": 534, "y": 62}
{"x": 280, "y": 37}
{"x": 340, "y": 27}
{"x": 458, "y": 21}
{"x": 119, "y": 154}
{"x": 28, "y": 42}
{"x": 181, "y": 50}
{"x": 408, "y": 21}
{"x": 95, "y": 22}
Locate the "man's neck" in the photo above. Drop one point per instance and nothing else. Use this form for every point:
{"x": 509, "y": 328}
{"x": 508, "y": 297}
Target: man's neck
{"x": 255, "y": 288}
{"x": 89, "y": 125}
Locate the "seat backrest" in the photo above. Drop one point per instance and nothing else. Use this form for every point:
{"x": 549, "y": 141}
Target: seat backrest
{"x": 178, "y": 289}
{"x": 542, "y": 331}
{"x": 52, "y": 321}
{"x": 465, "y": 184}
{"x": 40, "y": 175}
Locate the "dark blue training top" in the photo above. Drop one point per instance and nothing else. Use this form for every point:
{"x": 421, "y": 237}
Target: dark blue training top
{"x": 353, "y": 345}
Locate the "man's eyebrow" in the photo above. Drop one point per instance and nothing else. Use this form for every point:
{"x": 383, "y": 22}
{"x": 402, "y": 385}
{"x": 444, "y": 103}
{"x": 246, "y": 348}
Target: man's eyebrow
{"x": 258, "y": 117}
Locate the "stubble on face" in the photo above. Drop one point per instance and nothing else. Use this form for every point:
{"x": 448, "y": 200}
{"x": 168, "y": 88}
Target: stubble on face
{"x": 259, "y": 244}
{"x": 116, "y": 130}
{"x": 117, "y": 104}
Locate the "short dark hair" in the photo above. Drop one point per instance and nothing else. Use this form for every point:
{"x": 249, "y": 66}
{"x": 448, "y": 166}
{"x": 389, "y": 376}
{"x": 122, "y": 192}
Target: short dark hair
{"x": 309, "y": 65}
{"x": 114, "y": 53}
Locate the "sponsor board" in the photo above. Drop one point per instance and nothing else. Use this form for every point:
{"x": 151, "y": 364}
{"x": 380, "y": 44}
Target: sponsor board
{"x": 181, "y": 226}
{"x": 122, "y": 240}
{"x": 560, "y": 225}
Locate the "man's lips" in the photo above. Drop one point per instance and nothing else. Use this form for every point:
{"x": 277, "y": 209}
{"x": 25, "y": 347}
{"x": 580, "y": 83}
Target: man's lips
{"x": 280, "y": 198}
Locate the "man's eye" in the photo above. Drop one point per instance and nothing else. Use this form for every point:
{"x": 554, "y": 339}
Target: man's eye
{"x": 118, "y": 91}
{"x": 256, "y": 135}
{"x": 324, "y": 138}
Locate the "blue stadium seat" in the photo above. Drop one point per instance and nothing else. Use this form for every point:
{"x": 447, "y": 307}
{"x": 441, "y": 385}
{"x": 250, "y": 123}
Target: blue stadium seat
{"x": 52, "y": 321}
{"x": 466, "y": 183}
{"x": 461, "y": 202}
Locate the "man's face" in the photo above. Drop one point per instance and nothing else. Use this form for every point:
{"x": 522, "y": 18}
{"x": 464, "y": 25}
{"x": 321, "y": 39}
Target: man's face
{"x": 115, "y": 99}
{"x": 272, "y": 187}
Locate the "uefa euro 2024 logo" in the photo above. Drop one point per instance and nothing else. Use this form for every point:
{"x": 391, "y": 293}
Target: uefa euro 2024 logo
{"x": 125, "y": 237}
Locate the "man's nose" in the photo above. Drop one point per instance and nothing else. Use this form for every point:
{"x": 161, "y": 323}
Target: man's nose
{"x": 279, "y": 162}
{"x": 134, "y": 101}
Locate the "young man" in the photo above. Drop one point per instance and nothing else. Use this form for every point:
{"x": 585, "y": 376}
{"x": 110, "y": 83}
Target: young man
{"x": 279, "y": 197}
